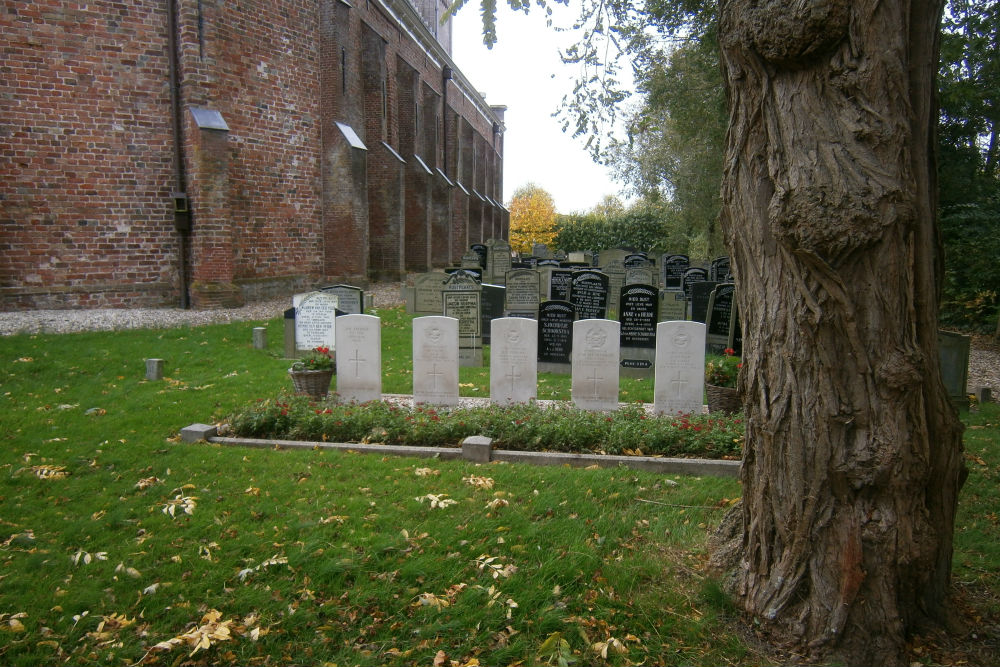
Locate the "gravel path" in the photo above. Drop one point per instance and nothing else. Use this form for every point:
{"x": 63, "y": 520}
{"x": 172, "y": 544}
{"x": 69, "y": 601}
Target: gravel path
{"x": 984, "y": 361}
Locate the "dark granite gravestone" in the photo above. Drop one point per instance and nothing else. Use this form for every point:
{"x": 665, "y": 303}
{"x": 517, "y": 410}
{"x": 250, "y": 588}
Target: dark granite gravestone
{"x": 481, "y": 250}
{"x": 693, "y": 275}
{"x": 637, "y": 313}
{"x": 720, "y": 270}
{"x": 588, "y": 292}
{"x": 548, "y": 262}
{"x": 720, "y": 318}
{"x": 699, "y": 297}
{"x": 672, "y": 268}
{"x": 559, "y": 282}
{"x": 471, "y": 260}
{"x": 636, "y": 260}
{"x": 555, "y": 336}
{"x": 492, "y": 308}
{"x": 350, "y": 299}
{"x": 736, "y": 333}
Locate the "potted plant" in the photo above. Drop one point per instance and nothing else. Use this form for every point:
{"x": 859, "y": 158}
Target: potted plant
{"x": 313, "y": 373}
{"x": 720, "y": 382}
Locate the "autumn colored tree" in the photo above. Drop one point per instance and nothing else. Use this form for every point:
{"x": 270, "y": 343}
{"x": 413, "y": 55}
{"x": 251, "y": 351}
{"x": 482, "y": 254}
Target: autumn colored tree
{"x": 532, "y": 218}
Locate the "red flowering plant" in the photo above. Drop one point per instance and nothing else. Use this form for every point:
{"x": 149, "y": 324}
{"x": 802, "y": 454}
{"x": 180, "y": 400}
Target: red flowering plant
{"x": 318, "y": 359}
{"x": 722, "y": 371}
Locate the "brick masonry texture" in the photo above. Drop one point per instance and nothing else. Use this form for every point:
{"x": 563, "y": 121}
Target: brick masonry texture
{"x": 282, "y": 200}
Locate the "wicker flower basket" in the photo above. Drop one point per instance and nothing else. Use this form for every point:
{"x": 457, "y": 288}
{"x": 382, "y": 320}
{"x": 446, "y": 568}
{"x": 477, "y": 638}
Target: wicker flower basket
{"x": 312, "y": 383}
{"x": 723, "y": 399}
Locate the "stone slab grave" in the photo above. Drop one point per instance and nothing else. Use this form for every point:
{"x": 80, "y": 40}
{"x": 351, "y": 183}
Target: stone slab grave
{"x": 472, "y": 260}
{"x": 312, "y": 323}
{"x": 435, "y": 360}
{"x": 693, "y": 275}
{"x": 613, "y": 264}
{"x": 720, "y": 270}
{"x": 359, "y": 358}
{"x": 679, "y": 386}
{"x": 350, "y": 299}
{"x": 557, "y": 287}
{"x": 720, "y": 318}
{"x": 595, "y": 364}
{"x": 476, "y": 274}
{"x": 481, "y": 250}
{"x": 465, "y": 306}
{"x": 698, "y": 295}
{"x": 491, "y": 307}
{"x": 640, "y": 275}
{"x": 498, "y": 261}
{"x": 424, "y": 297}
{"x": 639, "y": 306}
{"x": 588, "y": 292}
{"x": 521, "y": 297}
{"x": 673, "y": 305}
{"x": 514, "y": 361}
{"x": 555, "y": 337}
{"x": 672, "y": 268}
{"x": 953, "y": 355}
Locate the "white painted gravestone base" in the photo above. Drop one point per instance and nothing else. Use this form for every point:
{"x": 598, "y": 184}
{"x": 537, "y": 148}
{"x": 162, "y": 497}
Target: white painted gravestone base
{"x": 359, "y": 358}
{"x": 435, "y": 360}
{"x": 513, "y": 361}
{"x": 680, "y": 368}
{"x": 595, "y": 364}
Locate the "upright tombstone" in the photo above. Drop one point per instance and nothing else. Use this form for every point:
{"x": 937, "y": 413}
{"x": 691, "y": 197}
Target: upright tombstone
{"x": 522, "y": 293}
{"x": 464, "y": 306}
{"x": 638, "y": 316}
{"x": 472, "y": 260}
{"x": 315, "y": 314}
{"x": 640, "y": 275}
{"x": 673, "y": 305}
{"x": 498, "y": 261}
{"x": 481, "y": 250}
{"x": 359, "y": 358}
{"x": 672, "y": 268}
{"x": 559, "y": 284}
{"x": 595, "y": 364}
{"x": 736, "y": 333}
{"x": 680, "y": 368}
{"x": 699, "y": 294}
{"x": 613, "y": 264}
{"x": 476, "y": 274}
{"x": 693, "y": 275}
{"x": 953, "y": 355}
{"x": 491, "y": 307}
{"x": 435, "y": 360}
{"x": 350, "y": 299}
{"x": 513, "y": 361}
{"x": 719, "y": 271}
{"x": 588, "y": 293}
{"x": 427, "y": 293}
{"x": 460, "y": 280}
{"x": 540, "y": 250}
{"x": 719, "y": 322}
{"x": 555, "y": 336}
{"x": 636, "y": 259}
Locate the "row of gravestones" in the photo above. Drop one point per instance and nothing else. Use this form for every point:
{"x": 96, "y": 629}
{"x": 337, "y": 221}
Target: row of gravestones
{"x": 514, "y": 367}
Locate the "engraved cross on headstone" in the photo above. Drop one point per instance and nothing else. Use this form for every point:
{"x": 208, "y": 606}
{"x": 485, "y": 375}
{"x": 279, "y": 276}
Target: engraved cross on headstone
{"x": 514, "y": 377}
{"x": 357, "y": 360}
{"x": 595, "y": 379}
{"x": 435, "y": 373}
{"x": 679, "y": 383}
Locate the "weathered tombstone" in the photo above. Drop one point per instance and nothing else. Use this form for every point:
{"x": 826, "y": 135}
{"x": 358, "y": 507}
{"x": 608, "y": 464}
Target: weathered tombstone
{"x": 476, "y": 274}
{"x": 522, "y": 293}
{"x": 435, "y": 360}
{"x": 359, "y": 358}
{"x": 698, "y": 295}
{"x": 558, "y": 285}
{"x": 315, "y": 314}
{"x": 640, "y": 275}
{"x": 491, "y": 307}
{"x": 719, "y": 322}
{"x": 555, "y": 336}
{"x": 694, "y": 275}
{"x": 680, "y": 368}
{"x": 559, "y": 255}
{"x": 613, "y": 264}
{"x": 460, "y": 280}
{"x": 589, "y": 294}
{"x": 719, "y": 271}
{"x": 498, "y": 261}
{"x": 673, "y": 305}
{"x": 350, "y": 299}
{"x": 637, "y": 314}
{"x": 636, "y": 259}
{"x": 953, "y": 353}
{"x": 541, "y": 251}
{"x": 472, "y": 260}
{"x": 427, "y": 293}
{"x": 513, "y": 361}
{"x": 595, "y": 364}
{"x": 672, "y": 268}
{"x": 548, "y": 262}
{"x": 464, "y": 305}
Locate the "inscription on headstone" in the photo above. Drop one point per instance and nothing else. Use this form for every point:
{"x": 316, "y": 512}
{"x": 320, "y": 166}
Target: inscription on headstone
{"x": 693, "y": 275}
{"x": 640, "y": 275}
{"x": 638, "y": 317}
{"x": 589, "y": 294}
{"x": 595, "y": 364}
{"x": 350, "y": 299}
{"x": 559, "y": 284}
{"x": 522, "y": 292}
{"x": 720, "y": 270}
{"x": 498, "y": 261}
{"x": 427, "y": 293}
{"x": 315, "y": 314}
{"x": 435, "y": 360}
{"x": 672, "y": 268}
{"x": 680, "y": 368}
{"x": 555, "y": 336}
{"x": 673, "y": 305}
{"x": 359, "y": 358}
{"x": 513, "y": 364}
{"x": 719, "y": 322}
{"x": 465, "y": 307}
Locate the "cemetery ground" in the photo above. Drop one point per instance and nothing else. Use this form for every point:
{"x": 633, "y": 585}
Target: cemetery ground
{"x": 122, "y": 545}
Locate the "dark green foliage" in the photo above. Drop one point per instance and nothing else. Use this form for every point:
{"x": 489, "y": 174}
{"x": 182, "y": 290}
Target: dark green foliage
{"x": 642, "y": 227}
{"x": 971, "y": 235}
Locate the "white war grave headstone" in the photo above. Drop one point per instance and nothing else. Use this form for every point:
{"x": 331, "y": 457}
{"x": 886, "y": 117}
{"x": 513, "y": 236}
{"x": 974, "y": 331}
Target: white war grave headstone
{"x": 595, "y": 364}
{"x": 359, "y": 358}
{"x": 435, "y": 360}
{"x": 513, "y": 361}
{"x": 680, "y": 368}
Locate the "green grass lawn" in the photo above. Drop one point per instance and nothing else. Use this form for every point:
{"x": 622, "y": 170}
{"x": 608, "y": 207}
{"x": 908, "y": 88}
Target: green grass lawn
{"x": 121, "y": 544}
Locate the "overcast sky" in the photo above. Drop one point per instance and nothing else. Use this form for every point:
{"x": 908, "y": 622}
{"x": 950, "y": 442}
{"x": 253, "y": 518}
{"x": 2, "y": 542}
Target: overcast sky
{"x": 523, "y": 71}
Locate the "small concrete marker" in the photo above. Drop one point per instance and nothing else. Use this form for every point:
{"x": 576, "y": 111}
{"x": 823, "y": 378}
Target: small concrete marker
{"x": 477, "y": 448}
{"x": 983, "y": 395}
{"x": 154, "y": 369}
{"x": 260, "y": 338}
{"x": 196, "y": 432}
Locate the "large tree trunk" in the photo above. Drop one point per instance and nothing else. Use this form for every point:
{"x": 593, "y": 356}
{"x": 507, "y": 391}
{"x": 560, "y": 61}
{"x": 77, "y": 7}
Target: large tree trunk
{"x": 853, "y": 456}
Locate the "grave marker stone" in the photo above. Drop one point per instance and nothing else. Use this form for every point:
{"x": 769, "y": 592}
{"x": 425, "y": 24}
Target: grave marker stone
{"x": 541, "y": 251}
{"x": 719, "y": 322}
{"x": 672, "y": 268}
{"x": 498, "y": 261}
{"x": 636, "y": 259}
{"x": 350, "y": 299}
{"x": 464, "y": 305}
{"x": 476, "y": 274}
{"x": 673, "y": 305}
{"x": 699, "y": 295}
{"x": 638, "y": 317}
{"x": 693, "y": 275}
{"x": 613, "y": 264}
{"x": 491, "y": 305}
{"x": 481, "y": 250}
{"x": 513, "y": 361}
{"x": 471, "y": 260}
{"x": 359, "y": 358}
{"x": 427, "y": 293}
{"x": 315, "y": 313}
{"x": 680, "y": 368}
{"x": 589, "y": 294}
{"x": 719, "y": 271}
{"x": 522, "y": 292}
{"x": 640, "y": 275}
{"x": 435, "y": 360}
{"x": 595, "y": 364}
{"x": 555, "y": 336}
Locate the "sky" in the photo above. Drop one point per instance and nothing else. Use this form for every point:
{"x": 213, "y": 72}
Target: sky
{"x": 523, "y": 71}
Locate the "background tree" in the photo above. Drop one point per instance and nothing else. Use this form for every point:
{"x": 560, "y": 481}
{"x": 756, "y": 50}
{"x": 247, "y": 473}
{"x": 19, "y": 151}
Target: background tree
{"x": 532, "y": 218}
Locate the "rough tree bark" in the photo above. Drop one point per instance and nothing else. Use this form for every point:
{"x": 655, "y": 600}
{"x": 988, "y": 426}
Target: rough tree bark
{"x": 853, "y": 457}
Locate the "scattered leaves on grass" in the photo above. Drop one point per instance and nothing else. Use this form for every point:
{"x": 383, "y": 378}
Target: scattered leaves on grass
{"x": 439, "y": 501}
{"x": 86, "y": 557}
{"x": 496, "y": 569}
{"x": 496, "y": 504}
{"x": 270, "y": 562}
{"x": 211, "y": 631}
{"x": 146, "y": 482}
{"x": 12, "y": 622}
{"x": 186, "y": 503}
{"x": 49, "y": 472}
{"x": 479, "y": 482}
{"x": 426, "y": 472}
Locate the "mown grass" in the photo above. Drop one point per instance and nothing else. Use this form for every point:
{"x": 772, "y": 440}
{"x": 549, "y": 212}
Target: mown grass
{"x": 322, "y": 557}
